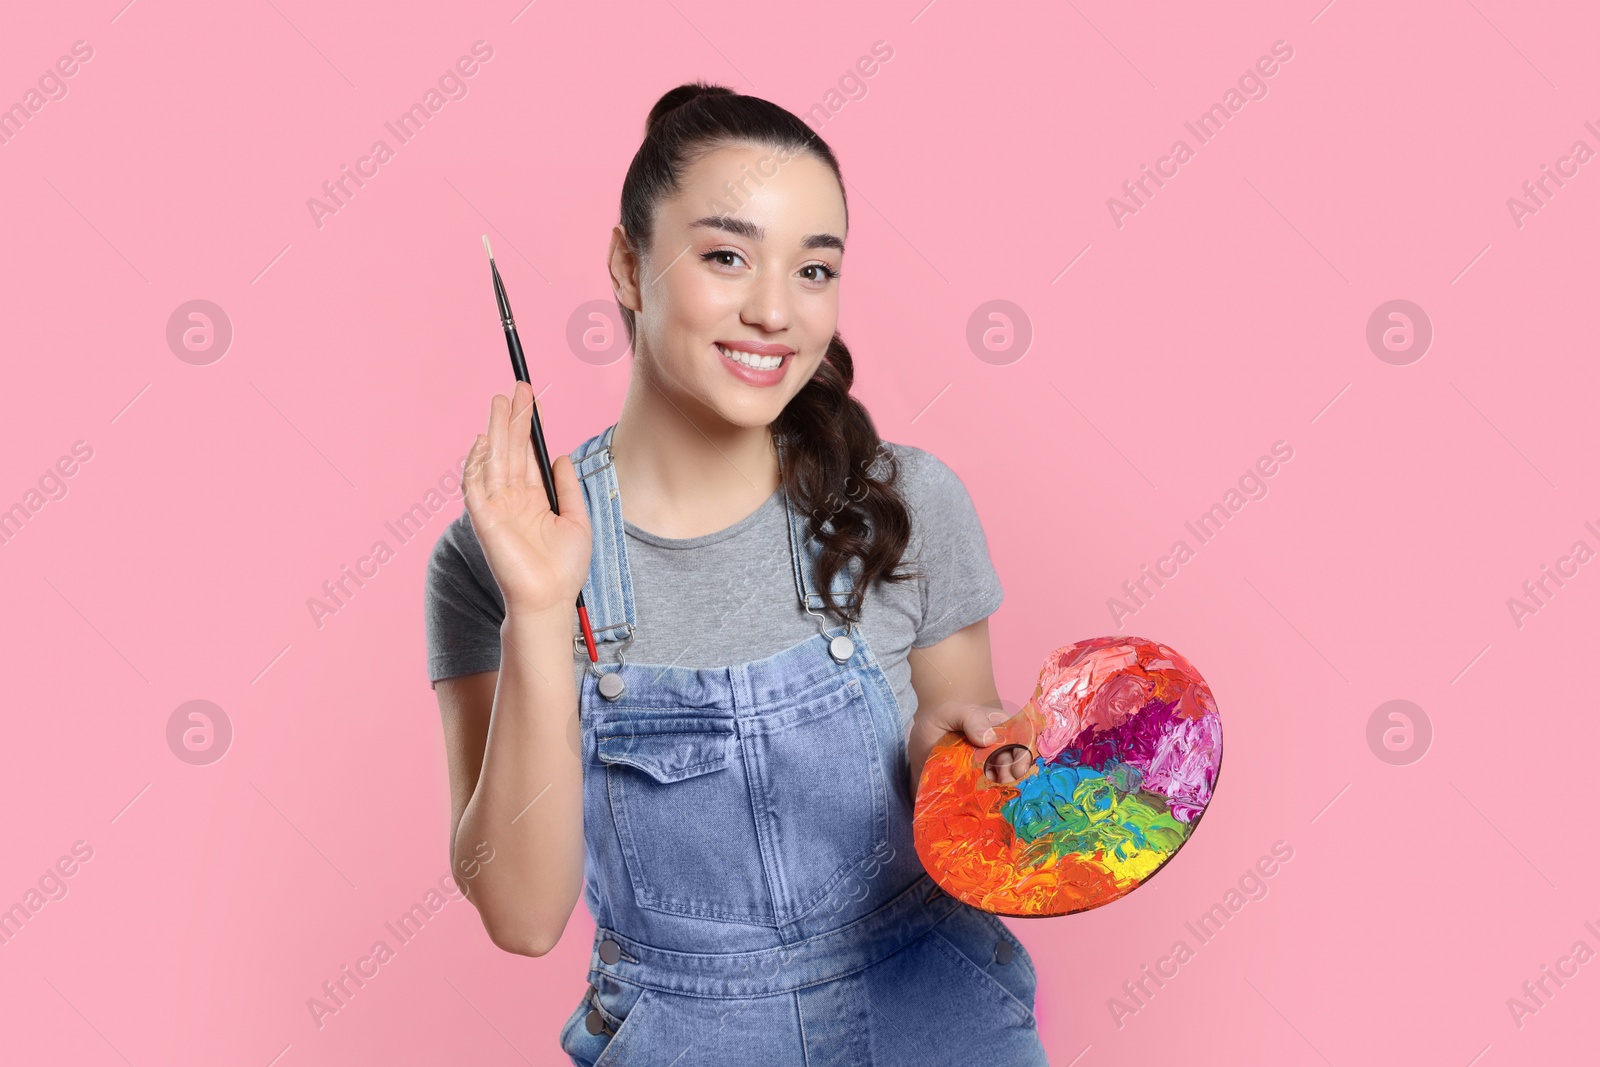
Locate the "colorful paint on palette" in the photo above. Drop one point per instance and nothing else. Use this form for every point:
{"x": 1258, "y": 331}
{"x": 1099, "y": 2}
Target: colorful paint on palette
{"x": 1127, "y": 747}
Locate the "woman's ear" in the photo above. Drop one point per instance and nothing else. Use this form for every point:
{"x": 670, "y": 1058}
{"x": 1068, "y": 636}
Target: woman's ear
{"x": 623, "y": 265}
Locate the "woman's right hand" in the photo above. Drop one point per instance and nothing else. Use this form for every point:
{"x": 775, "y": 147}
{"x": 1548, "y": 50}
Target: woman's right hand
{"x": 539, "y": 558}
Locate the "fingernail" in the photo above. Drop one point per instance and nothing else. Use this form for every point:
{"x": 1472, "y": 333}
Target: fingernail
{"x": 988, "y": 736}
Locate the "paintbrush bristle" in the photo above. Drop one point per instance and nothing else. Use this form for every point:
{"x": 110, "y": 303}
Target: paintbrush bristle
{"x": 486, "y": 247}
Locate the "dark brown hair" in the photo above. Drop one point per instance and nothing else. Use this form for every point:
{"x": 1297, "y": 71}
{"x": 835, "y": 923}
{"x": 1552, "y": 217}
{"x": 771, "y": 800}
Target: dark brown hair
{"x": 836, "y": 469}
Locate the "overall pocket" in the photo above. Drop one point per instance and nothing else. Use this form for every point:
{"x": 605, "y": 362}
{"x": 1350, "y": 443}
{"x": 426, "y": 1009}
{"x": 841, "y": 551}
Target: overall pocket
{"x": 821, "y": 793}
{"x": 753, "y": 819}
{"x": 978, "y": 937}
{"x": 680, "y": 799}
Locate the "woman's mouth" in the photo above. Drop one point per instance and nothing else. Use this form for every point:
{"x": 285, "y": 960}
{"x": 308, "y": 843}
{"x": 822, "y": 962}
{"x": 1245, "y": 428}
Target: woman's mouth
{"x": 755, "y": 364}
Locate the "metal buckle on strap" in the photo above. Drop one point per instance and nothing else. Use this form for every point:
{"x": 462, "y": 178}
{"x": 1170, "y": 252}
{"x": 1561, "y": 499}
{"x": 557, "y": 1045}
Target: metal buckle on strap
{"x": 598, "y": 449}
{"x": 583, "y": 650}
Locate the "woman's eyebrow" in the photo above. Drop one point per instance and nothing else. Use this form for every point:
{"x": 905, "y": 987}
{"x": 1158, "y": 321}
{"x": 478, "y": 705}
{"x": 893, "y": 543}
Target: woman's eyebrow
{"x": 746, "y": 228}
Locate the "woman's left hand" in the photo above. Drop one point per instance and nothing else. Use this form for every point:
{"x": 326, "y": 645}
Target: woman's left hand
{"x": 975, "y": 722}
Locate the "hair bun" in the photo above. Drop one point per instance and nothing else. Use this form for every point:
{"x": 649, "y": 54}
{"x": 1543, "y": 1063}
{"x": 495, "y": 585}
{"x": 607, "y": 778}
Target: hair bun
{"x": 672, "y": 99}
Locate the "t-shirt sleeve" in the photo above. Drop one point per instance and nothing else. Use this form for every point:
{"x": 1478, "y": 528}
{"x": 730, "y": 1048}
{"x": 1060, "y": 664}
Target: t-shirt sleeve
{"x": 959, "y": 584}
{"x": 462, "y": 605}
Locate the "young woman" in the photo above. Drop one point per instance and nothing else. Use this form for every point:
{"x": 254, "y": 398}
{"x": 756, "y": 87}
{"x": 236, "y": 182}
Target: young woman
{"x": 789, "y": 611}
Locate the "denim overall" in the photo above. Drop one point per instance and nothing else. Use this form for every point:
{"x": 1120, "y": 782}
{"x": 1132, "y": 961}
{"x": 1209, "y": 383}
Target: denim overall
{"x": 749, "y": 861}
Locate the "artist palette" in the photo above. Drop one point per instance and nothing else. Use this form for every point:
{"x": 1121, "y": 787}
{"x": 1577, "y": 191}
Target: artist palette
{"x": 1127, "y": 747}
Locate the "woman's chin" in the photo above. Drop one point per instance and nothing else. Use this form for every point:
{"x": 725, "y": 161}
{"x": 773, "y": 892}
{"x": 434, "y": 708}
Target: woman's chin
{"x": 749, "y": 415}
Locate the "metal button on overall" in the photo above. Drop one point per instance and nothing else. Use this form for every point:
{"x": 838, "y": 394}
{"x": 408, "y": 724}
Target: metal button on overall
{"x": 594, "y": 1022}
{"x": 611, "y": 685}
{"x": 841, "y": 648}
{"x": 611, "y": 952}
{"x": 1002, "y": 952}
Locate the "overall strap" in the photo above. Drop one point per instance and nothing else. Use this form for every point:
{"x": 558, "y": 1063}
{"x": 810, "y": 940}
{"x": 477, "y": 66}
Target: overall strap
{"x": 804, "y": 549}
{"x": 607, "y": 592}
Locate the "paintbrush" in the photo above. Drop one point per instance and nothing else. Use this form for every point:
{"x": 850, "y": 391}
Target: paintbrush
{"x": 519, "y": 367}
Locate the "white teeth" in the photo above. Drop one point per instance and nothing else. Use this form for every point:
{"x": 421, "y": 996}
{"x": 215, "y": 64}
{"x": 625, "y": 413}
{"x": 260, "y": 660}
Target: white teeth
{"x": 750, "y": 359}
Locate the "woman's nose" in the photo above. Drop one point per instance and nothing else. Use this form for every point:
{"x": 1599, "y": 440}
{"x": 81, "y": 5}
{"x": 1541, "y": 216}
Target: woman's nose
{"x": 768, "y": 303}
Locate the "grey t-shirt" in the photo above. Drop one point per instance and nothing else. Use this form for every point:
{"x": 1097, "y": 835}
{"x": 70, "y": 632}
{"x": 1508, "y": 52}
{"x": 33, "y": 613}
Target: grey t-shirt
{"x": 729, "y": 597}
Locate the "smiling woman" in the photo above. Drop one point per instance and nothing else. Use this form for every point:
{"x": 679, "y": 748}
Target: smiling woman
{"x": 734, "y": 802}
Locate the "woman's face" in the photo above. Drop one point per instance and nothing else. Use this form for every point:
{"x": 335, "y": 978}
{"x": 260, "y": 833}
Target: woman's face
{"x": 738, "y": 297}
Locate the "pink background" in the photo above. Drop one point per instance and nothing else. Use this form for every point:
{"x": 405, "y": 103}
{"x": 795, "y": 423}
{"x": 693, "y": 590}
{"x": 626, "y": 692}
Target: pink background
{"x": 1228, "y": 313}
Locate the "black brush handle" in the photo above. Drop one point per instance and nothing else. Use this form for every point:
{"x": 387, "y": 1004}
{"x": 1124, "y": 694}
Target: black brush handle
{"x": 519, "y": 367}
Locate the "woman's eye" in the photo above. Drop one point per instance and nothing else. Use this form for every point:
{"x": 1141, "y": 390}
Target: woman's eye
{"x": 716, "y": 253}
{"x": 828, "y": 273}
